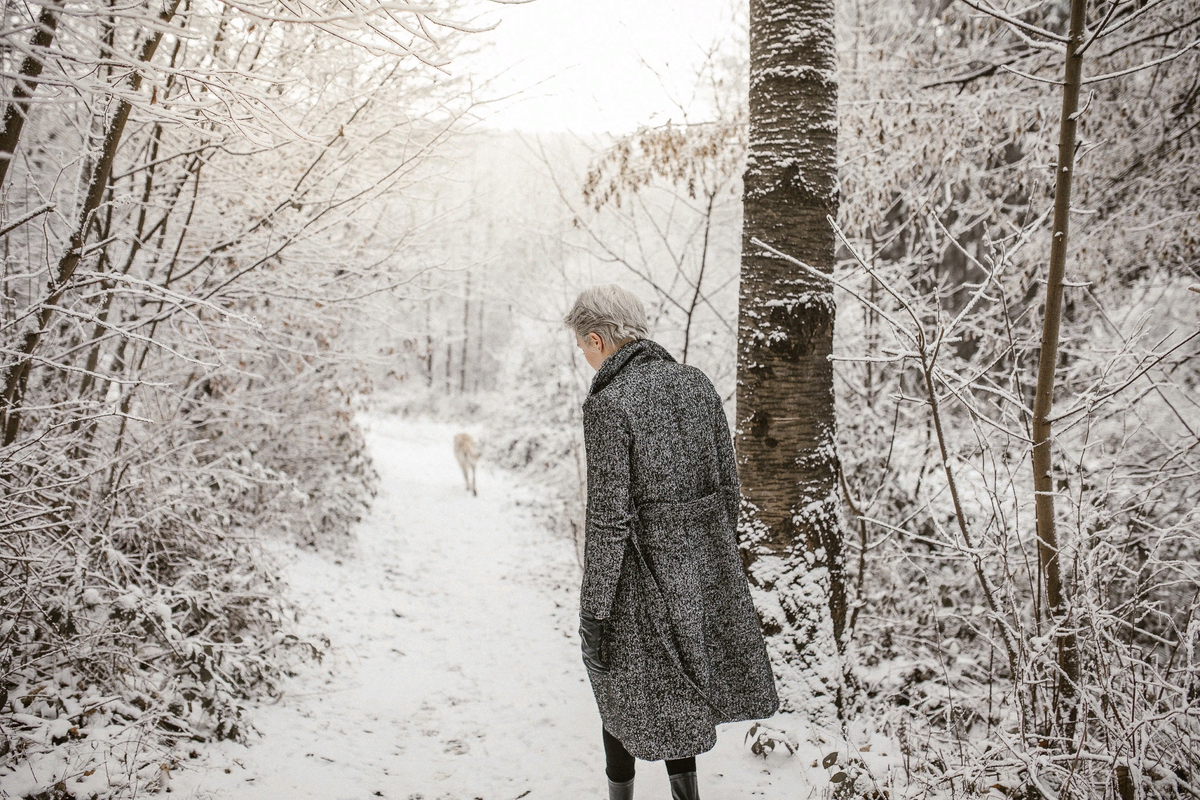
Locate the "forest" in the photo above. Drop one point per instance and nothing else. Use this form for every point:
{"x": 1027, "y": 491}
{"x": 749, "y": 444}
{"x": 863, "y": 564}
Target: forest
{"x": 940, "y": 258}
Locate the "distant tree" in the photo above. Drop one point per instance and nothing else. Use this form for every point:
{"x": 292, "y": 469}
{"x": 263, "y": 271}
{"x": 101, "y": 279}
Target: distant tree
{"x": 786, "y": 432}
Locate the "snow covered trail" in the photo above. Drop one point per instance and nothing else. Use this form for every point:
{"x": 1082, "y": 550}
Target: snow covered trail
{"x": 454, "y": 671}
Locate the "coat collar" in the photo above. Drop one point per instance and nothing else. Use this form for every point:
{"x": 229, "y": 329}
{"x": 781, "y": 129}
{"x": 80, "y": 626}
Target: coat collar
{"x": 642, "y": 351}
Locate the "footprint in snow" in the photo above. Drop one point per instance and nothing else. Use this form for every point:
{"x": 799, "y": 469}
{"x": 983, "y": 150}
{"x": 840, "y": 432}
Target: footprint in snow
{"x": 458, "y": 747}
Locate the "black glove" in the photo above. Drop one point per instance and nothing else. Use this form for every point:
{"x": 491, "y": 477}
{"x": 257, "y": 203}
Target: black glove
{"x": 591, "y": 632}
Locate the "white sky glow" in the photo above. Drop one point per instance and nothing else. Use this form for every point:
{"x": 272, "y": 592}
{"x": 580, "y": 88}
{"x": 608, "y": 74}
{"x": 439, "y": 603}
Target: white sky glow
{"x": 588, "y": 66}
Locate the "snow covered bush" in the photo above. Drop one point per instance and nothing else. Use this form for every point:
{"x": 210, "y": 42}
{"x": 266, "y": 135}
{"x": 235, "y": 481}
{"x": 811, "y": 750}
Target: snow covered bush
{"x": 142, "y": 593}
{"x": 191, "y": 213}
{"x": 947, "y": 193}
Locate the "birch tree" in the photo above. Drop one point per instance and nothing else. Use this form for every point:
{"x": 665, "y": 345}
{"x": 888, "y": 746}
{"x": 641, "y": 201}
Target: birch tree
{"x": 786, "y": 432}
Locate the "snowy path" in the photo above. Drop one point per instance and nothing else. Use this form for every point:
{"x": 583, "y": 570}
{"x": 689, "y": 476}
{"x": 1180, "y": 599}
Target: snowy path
{"x": 454, "y": 671}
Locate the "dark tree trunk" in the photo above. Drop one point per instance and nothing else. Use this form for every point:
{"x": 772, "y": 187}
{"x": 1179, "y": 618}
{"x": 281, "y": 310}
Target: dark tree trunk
{"x": 23, "y": 89}
{"x": 466, "y": 345}
{"x": 691, "y": 312}
{"x": 18, "y": 375}
{"x": 786, "y": 432}
{"x": 428, "y": 337}
{"x": 479, "y": 337}
{"x": 1066, "y": 709}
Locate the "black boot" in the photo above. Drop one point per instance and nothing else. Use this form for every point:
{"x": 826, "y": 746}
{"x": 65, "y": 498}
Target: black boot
{"x": 684, "y": 787}
{"x": 620, "y": 791}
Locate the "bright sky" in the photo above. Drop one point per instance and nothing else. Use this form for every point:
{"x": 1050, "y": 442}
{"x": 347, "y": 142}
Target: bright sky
{"x": 590, "y": 65}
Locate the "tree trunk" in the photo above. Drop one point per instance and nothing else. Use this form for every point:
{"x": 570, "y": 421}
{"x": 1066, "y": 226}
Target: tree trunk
{"x": 428, "y": 336}
{"x": 466, "y": 345}
{"x": 108, "y": 285}
{"x": 23, "y": 89}
{"x": 691, "y": 312}
{"x": 786, "y": 432}
{"x": 479, "y": 337}
{"x": 18, "y": 375}
{"x": 449, "y": 359}
{"x": 1065, "y": 711}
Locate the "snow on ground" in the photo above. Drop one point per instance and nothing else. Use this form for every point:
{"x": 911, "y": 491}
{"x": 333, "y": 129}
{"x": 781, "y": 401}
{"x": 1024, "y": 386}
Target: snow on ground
{"x": 454, "y": 669}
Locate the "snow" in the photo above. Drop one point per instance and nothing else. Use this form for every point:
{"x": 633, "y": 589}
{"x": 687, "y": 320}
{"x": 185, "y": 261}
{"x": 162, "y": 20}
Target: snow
{"x": 453, "y": 670}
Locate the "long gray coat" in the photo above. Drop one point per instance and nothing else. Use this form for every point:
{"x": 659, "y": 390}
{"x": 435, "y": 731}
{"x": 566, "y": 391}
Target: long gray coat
{"x": 661, "y": 562}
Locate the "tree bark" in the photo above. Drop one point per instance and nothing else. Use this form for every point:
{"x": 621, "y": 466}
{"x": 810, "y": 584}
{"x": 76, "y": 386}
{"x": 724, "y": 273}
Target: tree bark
{"x": 23, "y": 89}
{"x": 786, "y": 432}
{"x": 18, "y": 375}
{"x": 1043, "y": 478}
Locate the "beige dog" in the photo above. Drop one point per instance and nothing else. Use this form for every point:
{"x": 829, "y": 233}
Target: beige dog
{"x": 467, "y": 453}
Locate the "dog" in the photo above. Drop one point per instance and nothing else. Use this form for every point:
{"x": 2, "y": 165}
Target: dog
{"x": 467, "y": 453}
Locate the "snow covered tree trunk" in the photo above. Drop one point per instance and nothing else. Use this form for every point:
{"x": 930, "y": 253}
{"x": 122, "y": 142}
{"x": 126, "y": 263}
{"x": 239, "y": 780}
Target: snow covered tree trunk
{"x": 1058, "y": 601}
{"x": 17, "y": 379}
{"x": 786, "y": 432}
{"x": 24, "y": 87}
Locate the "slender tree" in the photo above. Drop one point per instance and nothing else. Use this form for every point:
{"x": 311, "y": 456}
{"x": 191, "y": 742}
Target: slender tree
{"x": 786, "y": 432}
{"x": 25, "y": 86}
{"x": 17, "y": 379}
{"x": 1043, "y": 479}
{"x": 466, "y": 346}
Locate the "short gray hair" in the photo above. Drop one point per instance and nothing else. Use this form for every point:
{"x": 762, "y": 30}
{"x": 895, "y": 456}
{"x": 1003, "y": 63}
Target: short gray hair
{"x": 612, "y": 312}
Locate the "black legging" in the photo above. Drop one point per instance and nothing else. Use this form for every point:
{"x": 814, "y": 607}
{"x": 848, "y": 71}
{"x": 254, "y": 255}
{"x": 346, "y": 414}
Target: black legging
{"x": 620, "y": 763}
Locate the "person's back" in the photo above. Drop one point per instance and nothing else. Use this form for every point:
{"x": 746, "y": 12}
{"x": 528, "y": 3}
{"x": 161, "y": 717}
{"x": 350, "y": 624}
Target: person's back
{"x": 669, "y": 633}
{"x": 670, "y": 409}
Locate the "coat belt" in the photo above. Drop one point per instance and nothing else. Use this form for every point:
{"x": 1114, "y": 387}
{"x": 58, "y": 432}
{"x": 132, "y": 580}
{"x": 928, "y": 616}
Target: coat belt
{"x": 653, "y": 513}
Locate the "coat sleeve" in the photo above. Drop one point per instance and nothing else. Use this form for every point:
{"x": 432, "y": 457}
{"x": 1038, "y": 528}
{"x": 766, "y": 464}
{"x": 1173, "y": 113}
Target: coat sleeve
{"x": 608, "y": 440}
{"x": 726, "y": 461}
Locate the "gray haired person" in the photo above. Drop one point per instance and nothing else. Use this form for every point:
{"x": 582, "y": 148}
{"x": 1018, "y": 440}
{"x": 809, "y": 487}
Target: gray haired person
{"x": 670, "y": 637}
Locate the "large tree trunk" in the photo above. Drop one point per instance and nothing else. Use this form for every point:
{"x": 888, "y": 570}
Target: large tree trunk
{"x": 1066, "y": 712}
{"x": 786, "y": 432}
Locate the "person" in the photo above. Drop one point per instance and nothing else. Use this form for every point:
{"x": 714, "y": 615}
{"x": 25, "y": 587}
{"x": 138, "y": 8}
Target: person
{"x": 670, "y": 638}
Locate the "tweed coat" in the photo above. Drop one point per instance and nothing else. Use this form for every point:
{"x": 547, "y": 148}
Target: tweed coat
{"x": 661, "y": 563}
